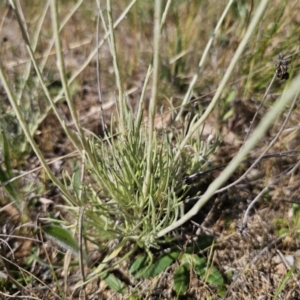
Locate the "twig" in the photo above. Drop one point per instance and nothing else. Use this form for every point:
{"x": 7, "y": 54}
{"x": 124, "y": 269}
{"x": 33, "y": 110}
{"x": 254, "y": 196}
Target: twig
{"x": 260, "y": 106}
{"x": 191, "y": 178}
{"x": 266, "y": 150}
{"x": 253, "y": 261}
{"x": 245, "y": 219}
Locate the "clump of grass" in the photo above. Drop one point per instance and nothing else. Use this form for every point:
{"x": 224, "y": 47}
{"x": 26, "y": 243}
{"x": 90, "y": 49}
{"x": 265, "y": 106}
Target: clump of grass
{"x": 127, "y": 190}
{"x": 130, "y": 183}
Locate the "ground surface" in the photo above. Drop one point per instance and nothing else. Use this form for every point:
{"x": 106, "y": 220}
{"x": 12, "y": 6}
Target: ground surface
{"x": 254, "y": 257}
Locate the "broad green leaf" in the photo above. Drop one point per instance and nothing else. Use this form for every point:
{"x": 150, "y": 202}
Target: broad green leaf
{"x": 62, "y": 237}
{"x": 187, "y": 258}
{"x": 114, "y": 283}
{"x": 200, "y": 265}
{"x": 160, "y": 264}
{"x": 222, "y": 290}
{"x": 214, "y": 277}
{"x": 141, "y": 268}
{"x": 208, "y": 273}
{"x": 182, "y": 279}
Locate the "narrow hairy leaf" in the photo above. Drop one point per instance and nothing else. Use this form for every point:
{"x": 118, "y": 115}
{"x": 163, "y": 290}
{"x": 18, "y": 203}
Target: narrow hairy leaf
{"x": 62, "y": 237}
{"x": 76, "y": 178}
{"x": 7, "y": 174}
{"x": 6, "y": 154}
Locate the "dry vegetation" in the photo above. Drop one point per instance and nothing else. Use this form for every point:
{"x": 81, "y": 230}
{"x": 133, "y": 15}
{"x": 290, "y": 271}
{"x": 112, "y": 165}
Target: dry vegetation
{"x": 258, "y": 258}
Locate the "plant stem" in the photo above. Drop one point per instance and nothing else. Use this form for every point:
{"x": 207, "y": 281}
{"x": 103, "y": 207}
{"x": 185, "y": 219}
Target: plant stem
{"x": 153, "y": 100}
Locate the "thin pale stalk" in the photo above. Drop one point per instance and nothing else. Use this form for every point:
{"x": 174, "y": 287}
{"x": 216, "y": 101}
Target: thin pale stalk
{"x": 260, "y": 106}
{"x": 40, "y": 77}
{"x": 271, "y": 144}
{"x": 81, "y": 265}
{"x": 257, "y": 17}
{"x": 188, "y": 94}
{"x": 257, "y": 135}
{"x": 164, "y": 15}
{"x": 265, "y": 189}
{"x": 153, "y": 100}
{"x": 62, "y": 70}
{"x": 142, "y": 98}
{"x": 33, "y": 43}
{"x": 89, "y": 58}
{"x": 16, "y": 108}
{"x": 62, "y": 25}
{"x": 98, "y": 73}
{"x": 23, "y": 174}
{"x": 113, "y": 49}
